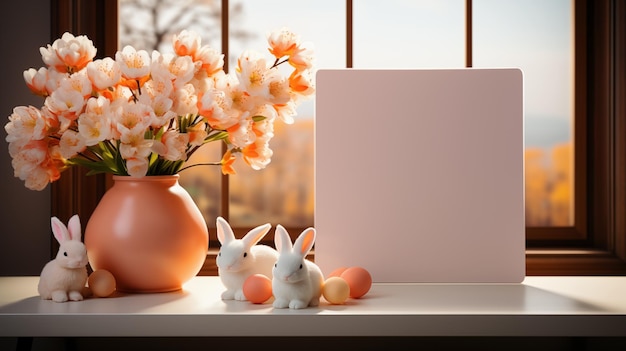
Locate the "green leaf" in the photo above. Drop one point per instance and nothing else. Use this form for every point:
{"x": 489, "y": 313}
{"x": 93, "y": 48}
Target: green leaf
{"x": 93, "y": 166}
{"x": 153, "y": 159}
{"x": 159, "y": 133}
{"x": 217, "y": 136}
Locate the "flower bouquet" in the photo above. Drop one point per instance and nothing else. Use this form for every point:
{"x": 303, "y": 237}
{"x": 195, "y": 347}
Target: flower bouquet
{"x": 142, "y": 114}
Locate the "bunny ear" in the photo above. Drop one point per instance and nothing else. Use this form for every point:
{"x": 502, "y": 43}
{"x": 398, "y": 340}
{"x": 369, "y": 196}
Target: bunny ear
{"x": 59, "y": 230}
{"x": 256, "y": 234}
{"x": 74, "y": 229}
{"x": 224, "y": 231}
{"x": 282, "y": 239}
{"x": 304, "y": 242}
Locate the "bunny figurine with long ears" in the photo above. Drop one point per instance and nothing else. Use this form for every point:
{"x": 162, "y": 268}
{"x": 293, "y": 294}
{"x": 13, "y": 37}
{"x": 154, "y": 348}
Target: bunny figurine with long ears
{"x": 238, "y": 259}
{"x": 64, "y": 278}
{"x": 297, "y": 282}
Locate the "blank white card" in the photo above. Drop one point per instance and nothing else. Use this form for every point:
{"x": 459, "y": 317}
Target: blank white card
{"x": 419, "y": 174}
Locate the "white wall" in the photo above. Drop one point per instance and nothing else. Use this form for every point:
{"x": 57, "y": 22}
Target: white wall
{"x": 25, "y": 237}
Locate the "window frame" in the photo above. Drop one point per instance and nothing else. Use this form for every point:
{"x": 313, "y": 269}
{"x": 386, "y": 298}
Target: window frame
{"x": 595, "y": 245}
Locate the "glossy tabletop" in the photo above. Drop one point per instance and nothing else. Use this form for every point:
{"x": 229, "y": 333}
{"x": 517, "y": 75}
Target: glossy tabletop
{"x": 540, "y": 306}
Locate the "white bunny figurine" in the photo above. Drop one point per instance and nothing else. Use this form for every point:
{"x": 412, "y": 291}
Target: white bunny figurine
{"x": 297, "y": 282}
{"x": 240, "y": 258}
{"x": 65, "y": 277}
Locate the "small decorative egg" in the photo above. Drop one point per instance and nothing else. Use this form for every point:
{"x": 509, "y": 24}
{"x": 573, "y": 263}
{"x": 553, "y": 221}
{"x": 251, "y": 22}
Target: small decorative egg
{"x": 257, "y": 288}
{"x": 102, "y": 283}
{"x": 359, "y": 279}
{"x": 336, "y": 290}
{"x": 337, "y": 272}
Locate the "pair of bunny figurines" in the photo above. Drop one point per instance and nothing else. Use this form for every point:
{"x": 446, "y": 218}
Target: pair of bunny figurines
{"x": 296, "y": 282}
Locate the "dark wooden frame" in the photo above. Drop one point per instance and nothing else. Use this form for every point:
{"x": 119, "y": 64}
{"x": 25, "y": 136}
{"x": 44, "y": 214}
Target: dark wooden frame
{"x": 595, "y": 245}
{"x": 579, "y": 233}
{"x": 74, "y": 192}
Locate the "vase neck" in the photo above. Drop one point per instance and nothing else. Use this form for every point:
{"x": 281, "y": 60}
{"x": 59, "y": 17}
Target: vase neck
{"x": 161, "y": 179}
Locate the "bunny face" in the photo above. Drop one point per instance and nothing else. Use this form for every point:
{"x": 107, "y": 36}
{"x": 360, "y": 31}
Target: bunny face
{"x": 291, "y": 265}
{"x": 290, "y": 268}
{"x": 72, "y": 254}
{"x": 234, "y": 257}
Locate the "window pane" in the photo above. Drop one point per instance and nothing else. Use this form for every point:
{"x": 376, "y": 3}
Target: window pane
{"x": 536, "y": 36}
{"x": 409, "y": 34}
{"x": 149, "y": 25}
{"x": 283, "y": 191}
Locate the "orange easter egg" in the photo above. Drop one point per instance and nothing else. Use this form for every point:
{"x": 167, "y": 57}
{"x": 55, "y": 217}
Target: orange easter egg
{"x": 336, "y": 290}
{"x": 257, "y": 288}
{"x": 359, "y": 279}
{"x": 337, "y": 272}
{"x": 101, "y": 282}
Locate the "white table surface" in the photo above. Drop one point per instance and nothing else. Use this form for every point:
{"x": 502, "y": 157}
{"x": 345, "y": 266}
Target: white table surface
{"x": 540, "y": 306}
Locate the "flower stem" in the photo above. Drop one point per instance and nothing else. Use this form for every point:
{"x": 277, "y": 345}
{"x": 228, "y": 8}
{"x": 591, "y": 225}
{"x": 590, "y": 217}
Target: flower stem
{"x": 277, "y": 63}
{"x": 201, "y": 164}
{"x": 85, "y": 156}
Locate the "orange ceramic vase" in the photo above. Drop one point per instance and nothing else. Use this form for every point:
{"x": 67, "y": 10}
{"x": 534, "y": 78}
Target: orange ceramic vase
{"x": 149, "y": 233}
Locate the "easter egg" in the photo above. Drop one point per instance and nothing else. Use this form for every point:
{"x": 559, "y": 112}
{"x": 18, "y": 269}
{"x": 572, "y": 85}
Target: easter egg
{"x": 359, "y": 280}
{"x": 257, "y": 288}
{"x": 336, "y": 290}
{"x": 102, "y": 283}
{"x": 337, "y": 272}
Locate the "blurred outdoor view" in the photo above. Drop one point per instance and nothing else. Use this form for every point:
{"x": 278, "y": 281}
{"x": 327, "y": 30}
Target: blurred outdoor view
{"x": 537, "y": 36}
{"x": 534, "y": 35}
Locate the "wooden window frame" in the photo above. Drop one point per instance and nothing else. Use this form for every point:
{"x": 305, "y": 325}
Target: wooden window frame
{"x": 595, "y": 245}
